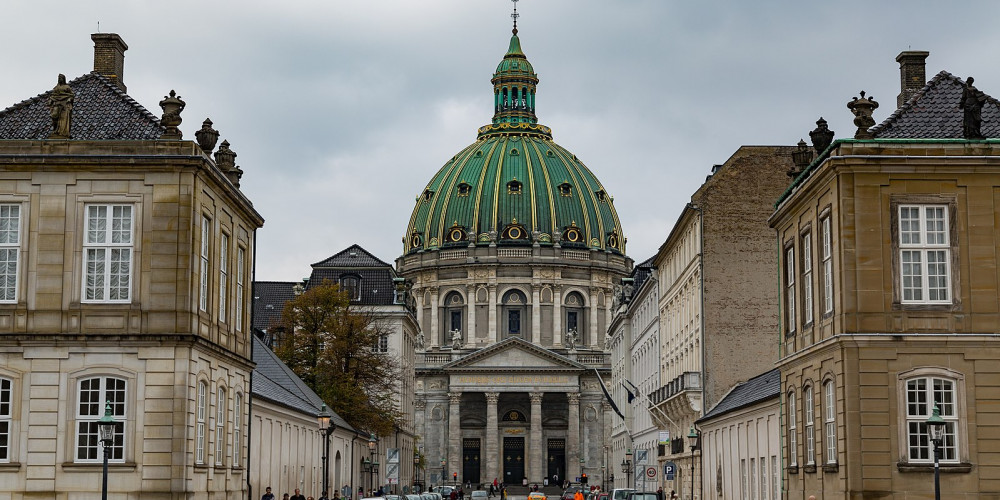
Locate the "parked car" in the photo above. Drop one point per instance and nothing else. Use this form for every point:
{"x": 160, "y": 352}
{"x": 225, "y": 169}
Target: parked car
{"x": 602, "y": 495}
{"x": 642, "y": 495}
{"x": 482, "y": 495}
{"x": 621, "y": 493}
{"x": 536, "y": 495}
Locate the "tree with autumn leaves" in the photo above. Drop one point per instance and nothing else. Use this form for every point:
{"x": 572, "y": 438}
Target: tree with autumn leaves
{"x": 331, "y": 345}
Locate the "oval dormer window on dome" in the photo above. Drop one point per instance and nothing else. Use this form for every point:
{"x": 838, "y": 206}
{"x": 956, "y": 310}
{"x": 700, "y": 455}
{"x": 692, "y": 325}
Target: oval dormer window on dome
{"x": 566, "y": 189}
{"x": 550, "y": 154}
{"x": 514, "y": 187}
{"x": 514, "y": 152}
{"x": 572, "y": 234}
{"x": 613, "y": 239}
{"x": 456, "y": 234}
{"x": 428, "y": 194}
{"x": 514, "y": 231}
{"x": 416, "y": 240}
{"x": 464, "y": 189}
{"x": 479, "y": 154}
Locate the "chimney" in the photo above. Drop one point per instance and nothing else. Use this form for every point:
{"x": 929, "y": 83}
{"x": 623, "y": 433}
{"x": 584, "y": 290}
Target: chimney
{"x": 109, "y": 56}
{"x": 912, "y": 75}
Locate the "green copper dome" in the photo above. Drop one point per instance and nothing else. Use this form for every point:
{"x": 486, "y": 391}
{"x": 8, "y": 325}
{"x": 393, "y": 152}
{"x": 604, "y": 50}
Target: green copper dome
{"x": 514, "y": 185}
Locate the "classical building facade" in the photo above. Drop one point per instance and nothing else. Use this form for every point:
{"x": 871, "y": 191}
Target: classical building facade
{"x": 513, "y": 250}
{"x": 889, "y": 289}
{"x": 716, "y": 272}
{"x": 127, "y": 256}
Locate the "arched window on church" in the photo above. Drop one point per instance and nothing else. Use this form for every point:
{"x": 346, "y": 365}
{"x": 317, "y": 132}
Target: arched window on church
{"x": 515, "y": 314}
{"x": 574, "y": 311}
{"x": 454, "y": 313}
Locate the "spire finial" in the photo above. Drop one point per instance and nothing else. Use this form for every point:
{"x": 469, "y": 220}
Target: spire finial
{"x": 514, "y": 16}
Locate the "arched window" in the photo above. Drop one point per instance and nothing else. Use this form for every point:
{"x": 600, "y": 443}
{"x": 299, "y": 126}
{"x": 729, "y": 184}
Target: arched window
{"x": 93, "y": 394}
{"x": 6, "y": 414}
{"x": 793, "y": 443}
{"x": 455, "y": 313}
{"x": 573, "y": 308}
{"x": 238, "y": 430}
{"x": 220, "y": 427}
{"x": 515, "y": 318}
{"x": 924, "y": 389}
{"x": 808, "y": 423}
{"x": 351, "y": 283}
{"x": 830, "y": 421}
{"x": 200, "y": 416}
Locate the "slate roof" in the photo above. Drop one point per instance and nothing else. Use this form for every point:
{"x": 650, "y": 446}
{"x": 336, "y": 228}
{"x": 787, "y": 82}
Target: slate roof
{"x": 760, "y": 388}
{"x": 933, "y": 113}
{"x": 376, "y": 276}
{"x": 269, "y": 299}
{"x": 275, "y": 382}
{"x": 101, "y": 111}
{"x": 642, "y": 272}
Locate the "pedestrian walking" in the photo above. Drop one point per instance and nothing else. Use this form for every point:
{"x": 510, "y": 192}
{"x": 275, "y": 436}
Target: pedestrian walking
{"x": 324, "y": 497}
{"x": 298, "y": 495}
{"x": 267, "y": 494}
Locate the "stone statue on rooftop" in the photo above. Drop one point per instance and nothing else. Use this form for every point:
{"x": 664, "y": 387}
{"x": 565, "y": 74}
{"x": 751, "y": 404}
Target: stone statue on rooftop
{"x": 972, "y": 106}
{"x": 61, "y": 109}
{"x": 456, "y": 339}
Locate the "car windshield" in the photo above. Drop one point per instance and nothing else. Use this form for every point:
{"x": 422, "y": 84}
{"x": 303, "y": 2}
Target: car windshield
{"x": 479, "y": 494}
{"x": 642, "y": 496}
{"x": 621, "y": 494}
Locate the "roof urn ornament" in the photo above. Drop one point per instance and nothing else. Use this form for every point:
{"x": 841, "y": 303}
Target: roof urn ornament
{"x": 61, "y": 108}
{"x": 821, "y": 136}
{"x": 207, "y": 136}
{"x": 971, "y": 105}
{"x": 863, "y": 109}
{"x": 801, "y": 157}
{"x": 172, "y": 106}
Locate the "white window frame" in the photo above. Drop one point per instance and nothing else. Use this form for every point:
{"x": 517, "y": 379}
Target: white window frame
{"x": 102, "y": 254}
{"x": 808, "y": 424}
{"x": 90, "y": 406}
{"x": 743, "y": 479}
{"x": 827, "y": 265}
{"x": 752, "y": 484}
{"x": 830, "y": 420}
{"x": 223, "y": 275}
{"x": 917, "y": 407}
{"x": 10, "y": 251}
{"x": 220, "y": 426}
{"x": 238, "y": 429}
{"x": 807, "y": 279}
{"x": 381, "y": 345}
{"x": 921, "y": 248}
{"x": 353, "y": 291}
{"x": 763, "y": 478}
{"x": 6, "y": 417}
{"x": 206, "y": 231}
{"x": 793, "y": 441}
{"x": 240, "y": 274}
{"x": 790, "y": 288}
{"x": 775, "y": 478}
{"x": 201, "y": 412}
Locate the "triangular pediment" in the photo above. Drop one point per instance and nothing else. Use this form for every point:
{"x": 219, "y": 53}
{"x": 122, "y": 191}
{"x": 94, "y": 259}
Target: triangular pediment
{"x": 514, "y": 353}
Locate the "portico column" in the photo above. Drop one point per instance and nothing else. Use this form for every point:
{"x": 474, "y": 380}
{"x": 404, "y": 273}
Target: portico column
{"x": 573, "y": 436}
{"x": 492, "y": 456}
{"x": 454, "y": 433}
{"x": 419, "y": 407}
{"x": 493, "y": 314}
{"x": 535, "y": 473}
{"x": 536, "y": 317}
{"x": 435, "y": 332}
{"x": 557, "y": 316}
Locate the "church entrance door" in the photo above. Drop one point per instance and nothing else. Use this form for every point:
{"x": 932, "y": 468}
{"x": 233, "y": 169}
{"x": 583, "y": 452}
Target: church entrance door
{"x": 470, "y": 460}
{"x": 513, "y": 459}
{"x": 557, "y": 459}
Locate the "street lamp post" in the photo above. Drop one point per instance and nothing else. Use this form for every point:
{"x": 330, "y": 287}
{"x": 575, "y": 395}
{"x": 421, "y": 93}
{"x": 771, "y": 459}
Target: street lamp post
{"x": 106, "y": 431}
{"x": 693, "y": 439}
{"x": 444, "y": 470}
{"x": 627, "y": 467}
{"x": 372, "y": 464}
{"x": 416, "y": 469}
{"x": 935, "y": 425}
{"x": 325, "y": 427}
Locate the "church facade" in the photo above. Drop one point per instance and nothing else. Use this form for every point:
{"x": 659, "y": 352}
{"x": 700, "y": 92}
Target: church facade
{"x": 513, "y": 251}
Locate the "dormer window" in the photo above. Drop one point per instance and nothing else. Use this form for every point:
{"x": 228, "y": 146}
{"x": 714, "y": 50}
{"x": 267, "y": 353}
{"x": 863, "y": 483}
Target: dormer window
{"x": 572, "y": 234}
{"x": 514, "y": 152}
{"x": 464, "y": 189}
{"x": 601, "y": 195}
{"x": 428, "y": 194}
{"x": 565, "y": 189}
{"x": 456, "y": 233}
{"x": 351, "y": 284}
{"x": 514, "y": 187}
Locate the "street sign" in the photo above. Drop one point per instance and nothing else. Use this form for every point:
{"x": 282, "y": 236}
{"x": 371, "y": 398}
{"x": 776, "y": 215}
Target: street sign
{"x": 392, "y": 473}
{"x": 651, "y": 472}
{"x": 641, "y": 457}
{"x": 669, "y": 470}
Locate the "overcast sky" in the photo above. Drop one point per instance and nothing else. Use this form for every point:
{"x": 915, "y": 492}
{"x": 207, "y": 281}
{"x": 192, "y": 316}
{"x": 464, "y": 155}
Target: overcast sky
{"x": 342, "y": 111}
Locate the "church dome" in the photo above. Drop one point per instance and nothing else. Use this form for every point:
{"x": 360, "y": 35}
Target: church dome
{"x": 514, "y": 185}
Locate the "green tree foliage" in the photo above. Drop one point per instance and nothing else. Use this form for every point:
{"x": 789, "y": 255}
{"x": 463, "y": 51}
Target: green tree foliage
{"x": 331, "y": 345}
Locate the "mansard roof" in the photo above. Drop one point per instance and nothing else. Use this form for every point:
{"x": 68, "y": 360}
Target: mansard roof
{"x": 269, "y": 299}
{"x": 274, "y": 381}
{"x": 761, "y": 388}
{"x": 101, "y": 112}
{"x": 933, "y": 113}
{"x": 352, "y": 256}
{"x": 375, "y": 276}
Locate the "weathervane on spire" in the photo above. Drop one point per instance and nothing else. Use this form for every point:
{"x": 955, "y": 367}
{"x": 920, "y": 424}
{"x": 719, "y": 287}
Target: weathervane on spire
{"x": 515, "y": 15}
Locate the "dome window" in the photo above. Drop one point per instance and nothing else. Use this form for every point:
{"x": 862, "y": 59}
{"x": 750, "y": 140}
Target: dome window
{"x": 572, "y": 234}
{"x": 456, "y": 233}
{"x": 415, "y": 240}
{"x": 514, "y": 152}
{"x": 613, "y": 239}
{"x": 514, "y": 186}
{"x": 601, "y": 195}
{"x": 514, "y": 231}
{"x": 428, "y": 194}
{"x": 464, "y": 189}
{"x": 566, "y": 189}
{"x": 550, "y": 154}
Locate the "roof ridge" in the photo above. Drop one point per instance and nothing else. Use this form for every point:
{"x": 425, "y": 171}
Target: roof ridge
{"x": 353, "y": 246}
{"x": 127, "y": 98}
